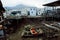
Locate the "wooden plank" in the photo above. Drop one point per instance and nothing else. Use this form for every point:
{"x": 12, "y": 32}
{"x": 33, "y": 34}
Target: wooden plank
{"x": 1, "y": 27}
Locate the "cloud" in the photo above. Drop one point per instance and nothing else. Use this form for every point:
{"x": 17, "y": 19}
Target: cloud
{"x": 37, "y": 3}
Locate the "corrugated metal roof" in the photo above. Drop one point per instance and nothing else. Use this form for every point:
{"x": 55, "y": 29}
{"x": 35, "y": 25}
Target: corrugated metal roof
{"x": 52, "y": 4}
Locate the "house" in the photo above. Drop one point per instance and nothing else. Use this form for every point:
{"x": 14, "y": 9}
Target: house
{"x": 32, "y": 11}
{"x": 24, "y": 12}
{"x": 38, "y": 12}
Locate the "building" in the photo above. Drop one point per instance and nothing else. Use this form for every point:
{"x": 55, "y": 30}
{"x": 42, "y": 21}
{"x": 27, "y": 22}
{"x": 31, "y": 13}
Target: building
{"x": 39, "y": 12}
{"x": 32, "y": 11}
{"x": 24, "y": 12}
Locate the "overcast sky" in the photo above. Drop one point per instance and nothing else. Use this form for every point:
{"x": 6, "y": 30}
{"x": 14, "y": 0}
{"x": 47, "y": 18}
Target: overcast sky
{"x": 36, "y": 3}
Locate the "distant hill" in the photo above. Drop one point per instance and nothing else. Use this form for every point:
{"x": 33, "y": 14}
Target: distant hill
{"x": 18, "y": 6}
